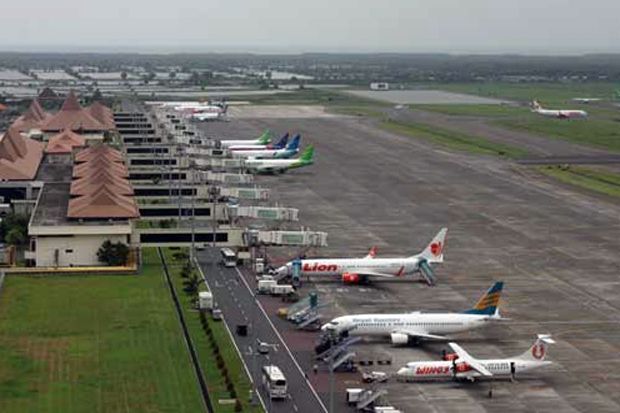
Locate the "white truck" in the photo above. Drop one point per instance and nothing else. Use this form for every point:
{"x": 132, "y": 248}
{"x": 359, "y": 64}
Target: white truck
{"x": 271, "y": 286}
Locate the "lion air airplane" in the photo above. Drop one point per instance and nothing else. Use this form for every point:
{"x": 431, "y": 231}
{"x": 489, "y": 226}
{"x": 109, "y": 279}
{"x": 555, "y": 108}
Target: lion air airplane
{"x": 410, "y": 328}
{"x": 558, "y": 113}
{"x": 460, "y": 365}
{"x": 360, "y": 270}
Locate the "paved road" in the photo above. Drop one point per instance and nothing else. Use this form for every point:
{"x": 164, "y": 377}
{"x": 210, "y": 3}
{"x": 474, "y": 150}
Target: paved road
{"x": 237, "y": 301}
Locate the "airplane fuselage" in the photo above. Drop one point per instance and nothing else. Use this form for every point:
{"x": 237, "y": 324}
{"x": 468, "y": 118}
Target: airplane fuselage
{"x": 229, "y": 143}
{"x": 434, "y": 370}
{"x": 562, "y": 114}
{"x": 384, "y": 325}
{"x": 266, "y": 153}
{"x": 340, "y": 266}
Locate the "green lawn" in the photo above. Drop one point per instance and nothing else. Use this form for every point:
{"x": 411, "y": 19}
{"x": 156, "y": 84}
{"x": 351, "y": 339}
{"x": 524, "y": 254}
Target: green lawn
{"x": 475, "y": 110}
{"x": 547, "y": 93}
{"x": 453, "y": 140}
{"x": 594, "y": 132}
{"x": 215, "y": 381}
{"x": 93, "y": 343}
{"x": 595, "y": 180}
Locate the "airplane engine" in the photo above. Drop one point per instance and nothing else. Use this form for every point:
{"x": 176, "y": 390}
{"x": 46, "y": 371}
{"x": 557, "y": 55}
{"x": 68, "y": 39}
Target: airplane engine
{"x": 350, "y": 278}
{"x": 399, "y": 339}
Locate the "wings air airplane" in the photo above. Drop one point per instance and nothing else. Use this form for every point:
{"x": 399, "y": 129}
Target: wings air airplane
{"x": 461, "y": 366}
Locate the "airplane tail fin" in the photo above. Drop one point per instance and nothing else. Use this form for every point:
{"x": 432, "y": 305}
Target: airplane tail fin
{"x": 294, "y": 144}
{"x": 265, "y": 138}
{"x": 538, "y": 351}
{"x": 307, "y": 154}
{"x": 489, "y": 302}
{"x": 535, "y": 105}
{"x": 433, "y": 253}
{"x": 282, "y": 142}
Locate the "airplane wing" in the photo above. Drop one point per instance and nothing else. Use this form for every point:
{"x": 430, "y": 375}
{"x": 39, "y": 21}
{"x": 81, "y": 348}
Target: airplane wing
{"x": 372, "y": 273}
{"x": 419, "y": 334}
{"x": 464, "y": 356}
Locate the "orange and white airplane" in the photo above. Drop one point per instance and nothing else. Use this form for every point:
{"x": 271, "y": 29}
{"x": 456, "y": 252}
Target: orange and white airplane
{"x": 461, "y": 365}
{"x": 558, "y": 113}
{"x": 360, "y": 270}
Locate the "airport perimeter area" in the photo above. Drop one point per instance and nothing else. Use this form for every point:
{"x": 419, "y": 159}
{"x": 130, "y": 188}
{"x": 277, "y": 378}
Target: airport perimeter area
{"x": 556, "y": 249}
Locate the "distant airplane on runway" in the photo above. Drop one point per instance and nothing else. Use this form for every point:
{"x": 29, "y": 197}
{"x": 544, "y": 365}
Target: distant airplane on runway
{"x": 412, "y": 327}
{"x": 361, "y": 270}
{"x": 462, "y": 366}
{"x": 586, "y": 100}
{"x": 558, "y": 113}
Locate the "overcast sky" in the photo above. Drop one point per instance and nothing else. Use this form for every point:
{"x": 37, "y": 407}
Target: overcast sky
{"x": 460, "y": 26}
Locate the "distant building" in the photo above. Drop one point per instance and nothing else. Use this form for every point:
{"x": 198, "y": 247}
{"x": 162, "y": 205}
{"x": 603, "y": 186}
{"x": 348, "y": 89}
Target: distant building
{"x": 379, "y": 86}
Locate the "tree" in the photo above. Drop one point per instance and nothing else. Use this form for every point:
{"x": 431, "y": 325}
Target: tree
{"x": 16, "y": 236}
{"x": 124, "y": 75}
{"x": 113, "y": 254}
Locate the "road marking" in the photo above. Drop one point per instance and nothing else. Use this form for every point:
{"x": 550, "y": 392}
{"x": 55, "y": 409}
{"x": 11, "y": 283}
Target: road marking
{"x": 245, "y": 366}
{"x": 275, "y": 330}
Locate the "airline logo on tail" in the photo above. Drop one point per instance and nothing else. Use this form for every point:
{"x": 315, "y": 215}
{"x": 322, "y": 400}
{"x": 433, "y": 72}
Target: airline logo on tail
{"x": 265, "y": 138}
{"x": 488, "y": 303}
{"x": 436, "y": 248}
{"x": 538, "y": 351}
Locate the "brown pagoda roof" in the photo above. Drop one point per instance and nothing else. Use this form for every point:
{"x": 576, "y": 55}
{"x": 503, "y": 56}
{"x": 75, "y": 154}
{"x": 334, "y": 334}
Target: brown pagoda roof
{"x": 19, "y": 157}
{"x": 72, "y": 116}
{"x": 91, "y": 167}
{"x": 102, "y": 190}
{"x": 33, "y": 118}
{"x": 64, "y": 142}
{"x": 93, "y": 183}
{"x": 99, "y": 151}
{"x": 103, "y": 114}
{"x": 103, "y": 204}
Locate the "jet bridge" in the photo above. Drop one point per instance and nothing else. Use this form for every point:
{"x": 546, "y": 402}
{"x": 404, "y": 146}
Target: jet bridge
{"x": 427, "y": 273}
{"x": 258, "y": 212}
{"x": 304, "y": 238}
{"x": 225, "y": 177}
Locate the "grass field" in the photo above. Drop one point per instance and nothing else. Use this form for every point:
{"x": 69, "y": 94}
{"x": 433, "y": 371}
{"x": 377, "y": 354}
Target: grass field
{"x": 215, "y": 381}
{"x": 548, "y": 93}
{"x": 475, "y": 110}
{"x": 93, "y": 343}
{"x": 594, "y": 180}
{"x": 453, "y": 140}
{"x": 594, "y": 132}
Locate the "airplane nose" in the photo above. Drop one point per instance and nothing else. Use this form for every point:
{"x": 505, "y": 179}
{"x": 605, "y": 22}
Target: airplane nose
{"x": 403, "y": 371}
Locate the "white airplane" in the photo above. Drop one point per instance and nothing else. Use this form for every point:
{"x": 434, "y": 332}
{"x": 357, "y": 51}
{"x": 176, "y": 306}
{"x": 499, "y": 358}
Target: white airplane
{"x": 263, "y": 139}
{"x": 461, "y": 366}
{"x": 360, "y": 270}
{"x": 273, "y": 166}
{"x": 206, "y": 116}
{"x": 586, "y": 100}
{"x": 278, "y": 145}
{"x": 410, "y": 328}
{"x": 558, "y": 113}
{"x": 291, "y": 149}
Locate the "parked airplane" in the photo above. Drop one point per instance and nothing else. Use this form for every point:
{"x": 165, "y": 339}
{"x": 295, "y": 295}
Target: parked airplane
{"x": 558, "y": 113}
{"x": 273, "y": 166}
{"x": 206, "y": 116}
{"x": 462, "y": 366}
{"x": 410, "y": 328}
{"x": 263, "y": 139}
{"x": 279, "y": 145}
{"x": 290, "y": 150}
{"x": 586, "y": 100}
{"x": 360, "y": 270}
